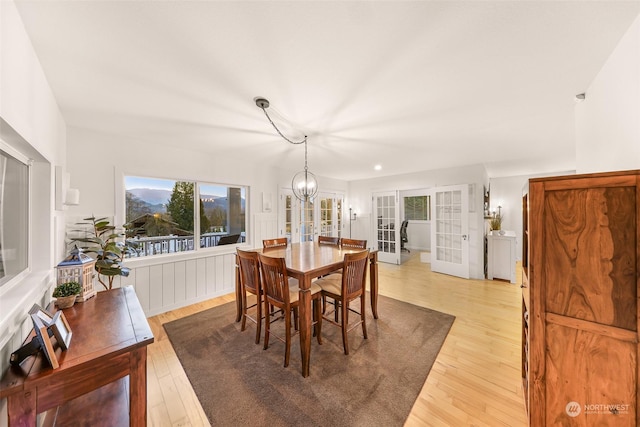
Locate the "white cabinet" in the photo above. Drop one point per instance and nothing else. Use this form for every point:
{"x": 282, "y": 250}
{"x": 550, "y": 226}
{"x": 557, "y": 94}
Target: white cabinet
{"x": 501, "y": 256}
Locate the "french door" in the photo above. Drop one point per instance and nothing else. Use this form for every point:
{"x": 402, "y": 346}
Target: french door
{"x": 330, "y": 214}
{"x": 387, "y": 226}
{"x": 450, "y": 230}
{"x": 304, "y": 221}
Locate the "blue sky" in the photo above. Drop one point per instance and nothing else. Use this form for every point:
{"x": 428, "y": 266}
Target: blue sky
{"x": 131, "y": 182}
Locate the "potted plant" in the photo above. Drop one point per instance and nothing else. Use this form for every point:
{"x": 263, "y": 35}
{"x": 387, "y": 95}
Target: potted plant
{"x": 496, "y": 222}
{"x": 65, "y": 294}
{"x": 109, "y": 252}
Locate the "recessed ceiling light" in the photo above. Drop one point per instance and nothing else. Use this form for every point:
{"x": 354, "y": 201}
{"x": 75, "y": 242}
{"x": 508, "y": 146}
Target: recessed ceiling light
{"x": 378, "y": 167}
{"x": 580, "y": 97}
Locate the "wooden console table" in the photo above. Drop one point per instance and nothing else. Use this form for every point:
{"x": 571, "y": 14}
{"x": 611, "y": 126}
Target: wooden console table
{"x": 108, "y": 354}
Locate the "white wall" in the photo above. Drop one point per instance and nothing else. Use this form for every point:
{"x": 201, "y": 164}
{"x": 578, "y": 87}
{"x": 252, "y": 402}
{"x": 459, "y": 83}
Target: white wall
{"x": 31, "y": 123}
{"x": 608, "y": 121}
{"x": 360, "y": 198}
{"x": 97, "y": 163}
{"x": 507, "y": 192}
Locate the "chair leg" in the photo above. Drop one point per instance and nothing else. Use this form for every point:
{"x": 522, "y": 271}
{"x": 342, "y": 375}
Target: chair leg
{"x": 318, "y": 319}
{"x": 267, "y": 322}
{"x": 362, "y": 316}
{"x": 243, "y": 325}
{"x": 258, "y": 318}
{"x": 287, "y": 344}
{"x": 345, "y": 323}
{"x": 296, "y": 325}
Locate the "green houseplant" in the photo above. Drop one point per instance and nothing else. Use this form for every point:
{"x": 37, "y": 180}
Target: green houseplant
{"x": 65, "y": 293}
{"x": 102, "y": 241}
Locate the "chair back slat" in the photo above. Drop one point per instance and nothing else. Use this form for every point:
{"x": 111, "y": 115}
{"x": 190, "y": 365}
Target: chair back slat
{"x": 329, "y": 240}
{"x": 249, "y": 270}
{"x": 275, "y": 279}
{"x": 354, "y": 273}
{"x": 353, "y": 243}
{"x": 280, "y": 242}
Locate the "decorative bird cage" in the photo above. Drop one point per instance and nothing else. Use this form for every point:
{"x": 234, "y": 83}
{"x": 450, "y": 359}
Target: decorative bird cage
{"x": 78, "y": 267}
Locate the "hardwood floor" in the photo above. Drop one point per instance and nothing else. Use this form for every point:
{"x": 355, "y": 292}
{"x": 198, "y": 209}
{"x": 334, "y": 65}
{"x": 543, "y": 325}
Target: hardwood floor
{"x": 475, "y": 380}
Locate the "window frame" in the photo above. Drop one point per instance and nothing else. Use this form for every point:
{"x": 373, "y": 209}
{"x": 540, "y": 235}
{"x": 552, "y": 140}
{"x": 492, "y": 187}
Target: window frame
{"x": 120, "y": 218}
{"x": 427, "y": 207}
{"x": 20, "y": 276}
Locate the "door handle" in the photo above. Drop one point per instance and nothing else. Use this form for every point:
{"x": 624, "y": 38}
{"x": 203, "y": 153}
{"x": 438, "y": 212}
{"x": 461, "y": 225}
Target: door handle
{"x": 464, "y": 237}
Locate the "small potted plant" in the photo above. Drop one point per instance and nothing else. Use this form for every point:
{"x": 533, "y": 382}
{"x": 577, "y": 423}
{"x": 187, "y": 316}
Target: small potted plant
{"x": 65, "y": 294}
{"x": 496, "y": 222}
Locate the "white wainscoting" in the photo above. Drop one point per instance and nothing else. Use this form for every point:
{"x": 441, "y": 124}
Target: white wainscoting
{"x": 163, "y": 283}
{"x": 167, "y": 282}
{"x": 265, "y": 226}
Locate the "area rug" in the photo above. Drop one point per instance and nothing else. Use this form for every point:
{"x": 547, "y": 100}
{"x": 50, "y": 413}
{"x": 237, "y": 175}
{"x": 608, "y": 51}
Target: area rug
{"x": 239, "y": 383}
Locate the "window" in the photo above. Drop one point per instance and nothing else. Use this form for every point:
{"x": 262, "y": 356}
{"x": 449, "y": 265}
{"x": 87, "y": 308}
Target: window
{"x": 162, "y": 217}
{"x": 14, "y": 215}
{"x": 417, "y": 208}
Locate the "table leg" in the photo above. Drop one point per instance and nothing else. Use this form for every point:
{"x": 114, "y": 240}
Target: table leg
{"x": 138, "y": 388}
{"x": 21, "y": 408}
{"x": 373, "y": 283}
{"x": 304, "y": 317}
{"x": 238, "y": 292}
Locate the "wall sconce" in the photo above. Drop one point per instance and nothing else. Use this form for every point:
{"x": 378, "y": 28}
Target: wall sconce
{"x": 72, "y": 197}
{"x": 353, "y": 216}
{"x": 65, "y": 196}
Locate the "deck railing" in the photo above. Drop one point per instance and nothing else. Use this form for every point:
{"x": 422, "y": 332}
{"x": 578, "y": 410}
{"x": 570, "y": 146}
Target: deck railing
{"x": 148, "y": 246}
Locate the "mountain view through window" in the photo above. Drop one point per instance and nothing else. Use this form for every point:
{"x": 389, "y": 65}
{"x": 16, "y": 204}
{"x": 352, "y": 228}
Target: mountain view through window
{"x": 161, "y": 215}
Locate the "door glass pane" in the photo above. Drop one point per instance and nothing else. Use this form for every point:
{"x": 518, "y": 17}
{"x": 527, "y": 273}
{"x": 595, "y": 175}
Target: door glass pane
{"x": 448, "y": 237}
{"x": 386, "y": 227}
{"x": 339, "y": 215}
{"x": 306, "y": 221}
{"x": 288, "y": 215}
{"x": 326, "y": 217}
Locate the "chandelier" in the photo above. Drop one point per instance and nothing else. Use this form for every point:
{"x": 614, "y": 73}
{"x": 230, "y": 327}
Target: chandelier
{"x": 304, "y": 184}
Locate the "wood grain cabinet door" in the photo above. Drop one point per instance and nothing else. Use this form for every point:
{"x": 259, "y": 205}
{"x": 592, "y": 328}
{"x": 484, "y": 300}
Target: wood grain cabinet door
{"x": 590, "y": 255}
{"x": 583, "y": 278}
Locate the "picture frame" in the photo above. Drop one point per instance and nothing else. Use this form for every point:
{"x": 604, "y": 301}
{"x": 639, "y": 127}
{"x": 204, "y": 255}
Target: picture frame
{"x": 44, "y": 315}
{"x": 56, "y": 324}
{"x": 61, "y": 330}
{"x": 42, "y": 334}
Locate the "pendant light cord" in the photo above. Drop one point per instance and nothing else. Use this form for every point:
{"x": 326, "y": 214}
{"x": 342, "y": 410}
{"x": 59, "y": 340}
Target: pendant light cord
{"x": 280, "y": 133}
{"x": 309, "y": 186}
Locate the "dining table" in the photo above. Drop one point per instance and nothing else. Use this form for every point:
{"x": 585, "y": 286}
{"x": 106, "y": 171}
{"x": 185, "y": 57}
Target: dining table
{"x": 305, "y": 262}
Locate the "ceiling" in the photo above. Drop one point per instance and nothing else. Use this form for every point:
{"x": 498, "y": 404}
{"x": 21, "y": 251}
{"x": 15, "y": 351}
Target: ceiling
{"x": 411, "y": 86}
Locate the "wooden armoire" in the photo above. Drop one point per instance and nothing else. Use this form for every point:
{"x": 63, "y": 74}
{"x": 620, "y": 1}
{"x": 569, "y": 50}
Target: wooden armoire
{"x": 580, "y": 300}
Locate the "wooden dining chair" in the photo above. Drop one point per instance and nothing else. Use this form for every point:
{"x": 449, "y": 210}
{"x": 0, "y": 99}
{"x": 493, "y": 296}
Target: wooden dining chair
{"x": 344, "y": 288}
{"x": 329, "y": 240}
{"x": 353, "y": 243}
{"x": 250, "y": 283}
{"x": 280, "y": 294}
{"x": 280, "y": 242}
